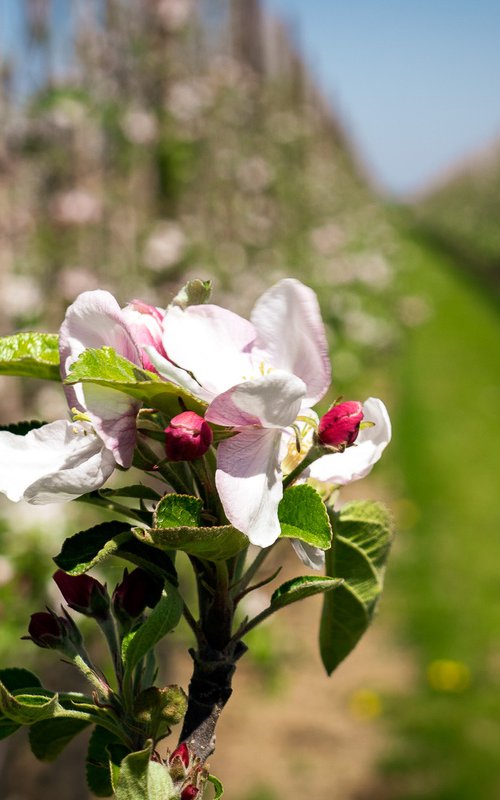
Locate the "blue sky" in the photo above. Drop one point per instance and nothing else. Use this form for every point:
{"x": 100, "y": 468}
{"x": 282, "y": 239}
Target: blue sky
{"x": 416, "y": 82}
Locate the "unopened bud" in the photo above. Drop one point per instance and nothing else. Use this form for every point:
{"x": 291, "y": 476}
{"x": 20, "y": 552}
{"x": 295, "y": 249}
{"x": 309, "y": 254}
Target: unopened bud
{"x": 83, "y": 593}
{"x": 138, "y": 590}
{"x": 182, "y": 753}
{"x": 154, "y": 706}
{"x": 48, "y": 630}
{"x": 187, "y": 437}
{"x": 189, "y": 792}
{"x": 193, "y": 293}
{"x": 339, "y": 427}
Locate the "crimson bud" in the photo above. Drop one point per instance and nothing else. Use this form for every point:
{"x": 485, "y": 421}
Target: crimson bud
{"x": 187, "y": 437}
{"x": 138, "y": 590}
{"x": 189, "y": 792}
{"x": 339, "y": 427}
{"x": 181, "y": 752}
{"x": 83, "y": 593}
{"x": 48, "y": 630}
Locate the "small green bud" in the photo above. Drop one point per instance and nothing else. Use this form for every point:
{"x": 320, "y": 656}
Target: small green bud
{"x": 194, "y": 293}
{"x": 158, "y": 709}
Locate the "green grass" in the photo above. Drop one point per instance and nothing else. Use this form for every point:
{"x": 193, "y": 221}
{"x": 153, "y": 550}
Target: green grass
{"x": 446, "y": 580}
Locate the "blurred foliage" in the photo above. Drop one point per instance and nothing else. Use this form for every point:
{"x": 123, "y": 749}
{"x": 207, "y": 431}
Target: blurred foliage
{"x": 461, "y": 214}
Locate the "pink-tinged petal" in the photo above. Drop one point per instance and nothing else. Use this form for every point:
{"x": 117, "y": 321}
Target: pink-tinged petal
{"x": 211, "y": 343}
{"x": 113, "y": 416}
{"x": 292, "y": 335}
{"x": 145, "y": 323}
{"x": 272, "y": 401}
{"x": 176, "y": 375}
{"x": 94, "y": 320}
{"x": 54, "y": 463}
{"x": 312, "y": 557}
{"x": 356, "y": 461}
{"x": 249, "y": 483}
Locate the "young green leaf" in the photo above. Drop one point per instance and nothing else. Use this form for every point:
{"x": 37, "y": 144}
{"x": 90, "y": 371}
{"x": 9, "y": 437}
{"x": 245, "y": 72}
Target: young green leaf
{"x": 218, "y": 787}
{"x": 49, "y": 737}
{"x": 212, "y": 544}
{"x": 300, "y": 588}
{"x": 142, "y": 779}
{"x": 303, "y": 515}
{"x": 362, "y": 537}
{"x": 178, "y": 510}
{"x": 15, "y": 679}
{"x": 163, "y": 618}
{"x": 33, "y": 355}
{"x": 29, "y": 707}
{"x": 103, "y": 748}
{"x": 104, "y": 367}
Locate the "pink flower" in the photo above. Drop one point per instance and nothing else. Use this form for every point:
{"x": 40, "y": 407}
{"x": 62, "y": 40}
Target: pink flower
{"x": 258, "y": 376}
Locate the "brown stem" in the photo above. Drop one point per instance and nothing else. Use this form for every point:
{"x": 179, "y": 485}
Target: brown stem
{"x": 209, "y": 691}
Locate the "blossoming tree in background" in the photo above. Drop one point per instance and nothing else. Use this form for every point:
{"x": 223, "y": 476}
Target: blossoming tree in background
{"x": 213, "y": 414}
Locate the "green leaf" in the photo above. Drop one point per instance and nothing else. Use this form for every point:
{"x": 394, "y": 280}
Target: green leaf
{"x": 29, "y": 707}
{"x": 85, "y": 549}
{"x": 33, "y": 355}
{"x": 163, "y": 618}
{"x": 15, "y": 678}
{"x": 300, "y": 588}
{"x": 218, "y": 787}
{"x": 148, "y": 557}
{"x": 142, "y": 779}
{"x": 104, "y": 367}
{"x": 137, "y": 490}
{"x": 212, "y": 544}
{"x": 7, "y": 728}
{"x": 178, "y": 510}
{"x": 303, "y": 515}
{"x": 160, "y": 786}
{"x": 22, "y": 428}
{"x": 49, "y": 737}
{"x": 98, "y": 762}
{"x": 362, "y": 537}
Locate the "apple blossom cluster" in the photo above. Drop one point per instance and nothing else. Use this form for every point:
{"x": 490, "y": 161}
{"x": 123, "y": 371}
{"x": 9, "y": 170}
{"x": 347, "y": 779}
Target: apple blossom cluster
{"x": 256, "y": 382}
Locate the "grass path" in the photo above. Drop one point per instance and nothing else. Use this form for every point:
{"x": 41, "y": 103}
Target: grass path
{"x": 446, "y": 581}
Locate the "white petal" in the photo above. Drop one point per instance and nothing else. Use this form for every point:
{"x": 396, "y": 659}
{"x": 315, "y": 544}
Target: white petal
{"x": 95, "y": 319}
{"x": 54, "y": 463}
{"x": 312, "y": 557}
{"x": 273, "y": 401}
{"x": 249, "y": 483}
{"x": 356, "y": 461}
{"x": 211, "y": 343}
{"x": 291, "y": 333}
{"x": 174, "y": 374}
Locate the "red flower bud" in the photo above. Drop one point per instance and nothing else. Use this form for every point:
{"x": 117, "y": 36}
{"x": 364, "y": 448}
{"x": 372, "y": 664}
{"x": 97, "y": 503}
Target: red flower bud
{"x": 83, "y": 593}
{"x": 339, "y": 427}
{"x": 189, "y": 792}
{"x": 181, "y": 752}
{"x": 138, "y": 590}
{"x": 48, "y": 630}
{"x": 187, "y": 437}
